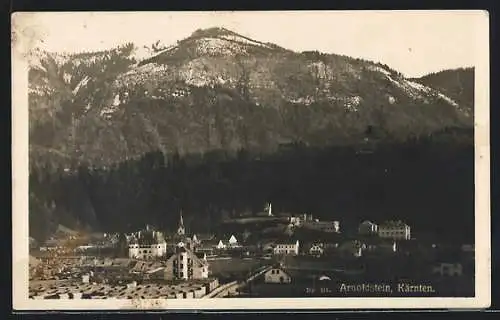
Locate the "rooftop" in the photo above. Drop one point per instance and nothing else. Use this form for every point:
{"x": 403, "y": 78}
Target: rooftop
{"x": 123, "y": 291}
{"x": 394, "y": 223}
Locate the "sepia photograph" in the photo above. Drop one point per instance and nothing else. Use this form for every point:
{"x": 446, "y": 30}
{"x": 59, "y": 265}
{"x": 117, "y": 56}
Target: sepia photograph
{"x": 267, "y": 160}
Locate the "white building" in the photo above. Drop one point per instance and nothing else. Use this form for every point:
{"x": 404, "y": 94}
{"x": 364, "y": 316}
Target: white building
{"x": 147, "y": 245}
{"x": 86, "y": 278}
{"x": 233, "y": 242}
{"x": 277, "y": 275}
{"x": 396, "y": 230}
{"x": 296, "y": 221}
{"x": 367, "y": 228}
{"x": 185, "y": 265}
{"x": 269, "y": 209}
{"x": 221, "y": 245}
{"x": 287, "y": 248}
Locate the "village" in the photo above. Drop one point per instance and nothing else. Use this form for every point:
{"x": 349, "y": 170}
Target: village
{"x": 264, "y": 255}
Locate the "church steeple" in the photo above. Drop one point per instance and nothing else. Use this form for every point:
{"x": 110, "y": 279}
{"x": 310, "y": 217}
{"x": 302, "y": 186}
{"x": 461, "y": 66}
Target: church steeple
{"x": 181, "y": 230}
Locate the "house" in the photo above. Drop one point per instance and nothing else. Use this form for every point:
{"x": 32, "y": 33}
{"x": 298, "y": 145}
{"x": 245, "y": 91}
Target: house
{"x": 207, "y": 249}
{"x": 148, "y": 244}
{"x": 316, "y": 250}
{"x": 287, "y": 248}
{"x": 233, "y": 242}
{"x": 323, "y": 226}
{"x": 86, "y": 278}
{"x": 201, "y": 238}
{"x": 185, "y": 265}
{"x": 295, "y": 221}
{"x": 396, "y": 230}
{"x": 306, "y": 217}
{"x": 367, "y": 228}
{"x": 448, "y": 269}
{"x": 221, "y": 245}
{"x": 195, "y": 239}
{"x": 277, "y": 275}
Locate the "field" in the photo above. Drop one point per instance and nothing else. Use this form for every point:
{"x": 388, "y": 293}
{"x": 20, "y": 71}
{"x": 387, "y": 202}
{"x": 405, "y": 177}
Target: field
{"x": 234, "y": 268}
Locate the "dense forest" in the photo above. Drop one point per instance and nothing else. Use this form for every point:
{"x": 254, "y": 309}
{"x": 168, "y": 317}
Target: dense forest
{"x": 458, "y": 84}
{"x": 428, "y": 182}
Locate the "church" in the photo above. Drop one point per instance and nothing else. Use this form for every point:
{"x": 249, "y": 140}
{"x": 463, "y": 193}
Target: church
{"x": 183, "y": 263}
{"x": 151, "y": 244}
{"x": 180, "y": 237}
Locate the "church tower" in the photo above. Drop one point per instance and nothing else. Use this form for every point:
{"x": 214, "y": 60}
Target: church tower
{"x": 181, "y": 231}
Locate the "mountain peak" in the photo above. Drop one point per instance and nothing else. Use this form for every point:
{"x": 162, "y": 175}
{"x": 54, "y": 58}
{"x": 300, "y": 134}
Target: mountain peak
{"x": 213, "y": 32}
{"x": 211, "y": 42}
{"x": 228, "y": 37}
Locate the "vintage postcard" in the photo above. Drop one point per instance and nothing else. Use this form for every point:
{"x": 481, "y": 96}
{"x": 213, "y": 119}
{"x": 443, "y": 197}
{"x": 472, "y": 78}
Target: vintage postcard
{"x": 251, "y": 160}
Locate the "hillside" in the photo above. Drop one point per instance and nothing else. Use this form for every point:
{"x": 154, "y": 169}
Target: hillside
{"x": 427, "y": 183}
{"x": 458, "y": 84}
{"x": 218, "y": 90}
{"x": 219, "y": 124}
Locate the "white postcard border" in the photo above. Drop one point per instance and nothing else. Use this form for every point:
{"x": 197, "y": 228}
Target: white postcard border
{"x": 20, "y": 147}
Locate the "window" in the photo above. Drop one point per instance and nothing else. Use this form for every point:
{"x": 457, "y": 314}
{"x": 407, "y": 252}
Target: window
{"x": 182, "y": 265}
{"x": 181, "y": 274}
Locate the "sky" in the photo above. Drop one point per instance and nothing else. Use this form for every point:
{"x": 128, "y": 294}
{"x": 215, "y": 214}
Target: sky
{"x": 412, "y": 42}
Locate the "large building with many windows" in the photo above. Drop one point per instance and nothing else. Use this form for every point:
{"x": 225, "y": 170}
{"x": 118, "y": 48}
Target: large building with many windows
{"x": 147, "y": 245}
{"x": 184, "y": 264}
{"x": 289, "y": 248}
{"x": 396, "y": 230}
